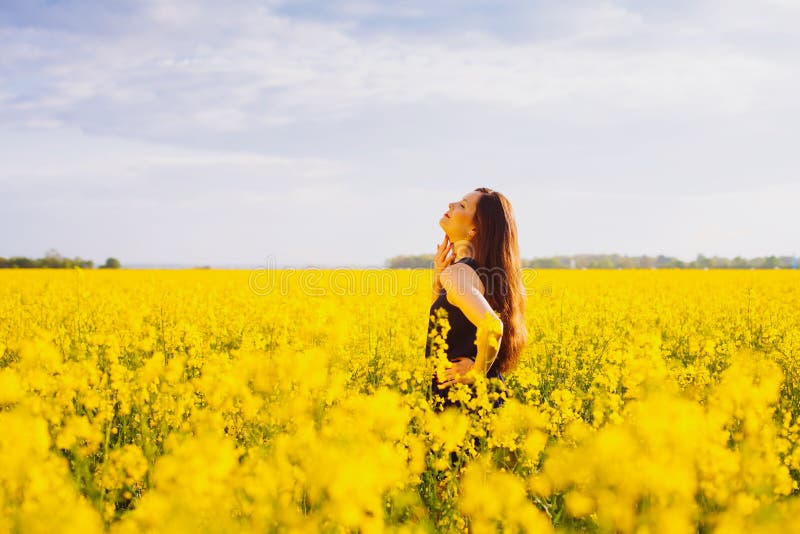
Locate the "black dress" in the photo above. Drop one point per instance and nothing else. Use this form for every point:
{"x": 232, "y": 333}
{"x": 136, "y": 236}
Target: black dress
{"x": 460, "y": 340}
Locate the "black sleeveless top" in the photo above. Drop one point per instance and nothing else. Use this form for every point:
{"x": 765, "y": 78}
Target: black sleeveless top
{"x": 461, "y": 337}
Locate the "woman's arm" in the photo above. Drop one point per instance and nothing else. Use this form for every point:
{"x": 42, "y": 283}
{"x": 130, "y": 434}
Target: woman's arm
{"x": 464, "y": 291}
{"x": 488, "y": 338}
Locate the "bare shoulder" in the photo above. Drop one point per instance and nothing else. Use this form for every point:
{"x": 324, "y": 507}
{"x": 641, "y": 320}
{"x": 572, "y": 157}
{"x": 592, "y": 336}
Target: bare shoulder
{"x": 460, "y": 278}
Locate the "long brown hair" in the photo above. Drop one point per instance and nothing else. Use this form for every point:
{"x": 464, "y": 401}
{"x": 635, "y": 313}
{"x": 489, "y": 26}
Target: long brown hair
{"x": 500, "y": 270}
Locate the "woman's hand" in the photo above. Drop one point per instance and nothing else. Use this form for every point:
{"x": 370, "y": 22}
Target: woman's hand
{"x": 460, "y": 371}
{"x": 444, "y": 256}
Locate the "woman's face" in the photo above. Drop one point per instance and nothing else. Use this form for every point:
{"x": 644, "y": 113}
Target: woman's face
{"x": 457, "y": 221}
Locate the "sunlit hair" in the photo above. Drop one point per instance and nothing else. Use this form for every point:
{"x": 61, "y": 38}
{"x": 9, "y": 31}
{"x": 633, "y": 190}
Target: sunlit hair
{"x": 500, "y": 269}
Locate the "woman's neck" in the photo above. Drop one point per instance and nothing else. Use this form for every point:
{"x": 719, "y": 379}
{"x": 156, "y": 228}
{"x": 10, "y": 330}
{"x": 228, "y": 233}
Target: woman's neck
{"x": 463, "y": 249}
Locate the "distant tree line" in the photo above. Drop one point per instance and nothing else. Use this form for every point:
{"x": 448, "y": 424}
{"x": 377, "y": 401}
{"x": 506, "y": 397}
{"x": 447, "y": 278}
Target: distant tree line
{"x": 54, "y": 260}
{"x": 617, "y": 261}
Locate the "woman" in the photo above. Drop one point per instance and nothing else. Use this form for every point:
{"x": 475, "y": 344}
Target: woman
{"x": 477, "y": 276}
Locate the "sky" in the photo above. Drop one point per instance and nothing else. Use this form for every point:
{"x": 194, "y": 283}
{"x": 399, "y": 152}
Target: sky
{"x": 337, "y": 132}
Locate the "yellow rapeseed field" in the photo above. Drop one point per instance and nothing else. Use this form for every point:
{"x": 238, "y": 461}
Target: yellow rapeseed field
{"x": 297, "y": 401}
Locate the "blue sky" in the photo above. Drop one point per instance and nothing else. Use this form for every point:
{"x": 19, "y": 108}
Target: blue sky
{"x": 336, "y": 132}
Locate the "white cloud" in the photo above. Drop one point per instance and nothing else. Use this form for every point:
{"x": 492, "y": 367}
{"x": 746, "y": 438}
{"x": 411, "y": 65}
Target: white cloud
{"x": 35, "y": 159}
{"x": 236, "y": 67}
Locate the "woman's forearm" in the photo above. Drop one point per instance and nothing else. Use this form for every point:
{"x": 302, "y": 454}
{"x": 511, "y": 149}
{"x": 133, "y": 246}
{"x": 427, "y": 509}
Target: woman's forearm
{"x": 488, "y": 337}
